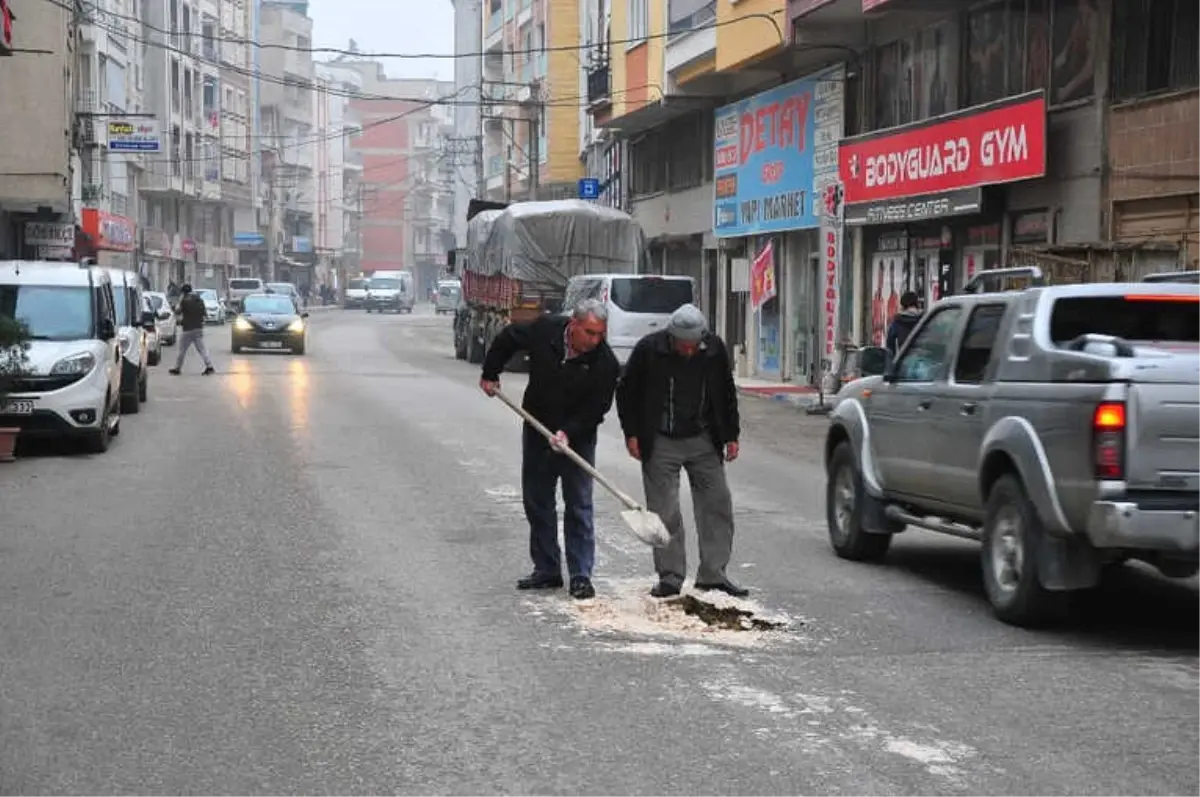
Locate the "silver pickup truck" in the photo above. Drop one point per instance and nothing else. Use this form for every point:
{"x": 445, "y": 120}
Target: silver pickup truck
{"x": 1058, "y": 426}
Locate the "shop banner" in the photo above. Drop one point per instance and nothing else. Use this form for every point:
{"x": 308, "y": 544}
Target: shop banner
{"x": 831, "y": 268}
{"x": 762, "y": 277}
{"x": 1001, "y": 142}
{"x": 109, "y": 231}
{"x": 769, "y": 152}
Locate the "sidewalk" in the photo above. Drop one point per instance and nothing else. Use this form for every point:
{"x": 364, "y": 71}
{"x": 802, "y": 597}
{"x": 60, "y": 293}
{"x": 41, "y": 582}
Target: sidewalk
{"x": 799, "y": 395}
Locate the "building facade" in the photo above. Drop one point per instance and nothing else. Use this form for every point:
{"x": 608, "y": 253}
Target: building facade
{"x": 339, "y": 170}
{"x": 466, "y": 142}
{"x": 531, "y": 128}
{"x": 38, "y": 96}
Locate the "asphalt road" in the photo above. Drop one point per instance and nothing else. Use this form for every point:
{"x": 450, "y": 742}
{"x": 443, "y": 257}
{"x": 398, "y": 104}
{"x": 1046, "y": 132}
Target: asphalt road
{"x": 296, "y": 576}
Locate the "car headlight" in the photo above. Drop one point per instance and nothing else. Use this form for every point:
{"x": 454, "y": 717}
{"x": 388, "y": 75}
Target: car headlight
{"x": 241, "y": 324}
{"x": 126, "y": 342}
{"x": 81, "y": 363}
{"x": 296, "y": 326}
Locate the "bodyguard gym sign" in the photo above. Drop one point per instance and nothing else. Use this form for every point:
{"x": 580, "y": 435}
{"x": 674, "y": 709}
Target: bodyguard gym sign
{"x": 773, "y": 153}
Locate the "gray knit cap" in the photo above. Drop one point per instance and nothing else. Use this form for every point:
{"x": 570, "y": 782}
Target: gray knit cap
{"x": 687, "y": 324}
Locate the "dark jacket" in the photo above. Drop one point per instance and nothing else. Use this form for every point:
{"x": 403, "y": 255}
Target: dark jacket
{"x": 191, "y": 312}
{"x": 643, "y": 390}
{"x": 900, "y": 328}
{"x": 571, "y": 396}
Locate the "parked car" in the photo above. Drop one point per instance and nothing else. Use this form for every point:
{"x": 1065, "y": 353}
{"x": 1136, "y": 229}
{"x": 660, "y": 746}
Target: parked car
{"x": 447, "y": 297}
{"x": 72, "y": 387}
{"x": 1058, "y": 426}
{"x": 214, "y": 308}
{"x": 165, "y": 315}
{"x": 270, "y": 321}
{"x": 153, "y": 339}
{"x": 356, "y": 294}
{"x": 133, "y": 328}
{"x": 390, "y": 290}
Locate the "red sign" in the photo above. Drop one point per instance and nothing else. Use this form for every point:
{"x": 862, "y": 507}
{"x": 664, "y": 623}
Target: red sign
{"x": 762, "y": 277}
{"x": 109, "y": 231}
{"x": 6, "y": 20}
{"x": 1001, "y": 142}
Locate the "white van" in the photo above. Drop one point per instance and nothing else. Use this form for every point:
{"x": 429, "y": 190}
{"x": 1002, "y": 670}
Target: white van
{"x": 638, "y": 304}
{"x": 356, "y": 293}
{"x": 72, "y": 383}
{"x": 135, "y": 345}
{"x": 391, "y": 290}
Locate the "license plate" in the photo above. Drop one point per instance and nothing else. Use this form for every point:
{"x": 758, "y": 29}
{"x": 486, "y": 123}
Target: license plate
{"x": 272, "y": 344}
{"x": 17, "y": 407}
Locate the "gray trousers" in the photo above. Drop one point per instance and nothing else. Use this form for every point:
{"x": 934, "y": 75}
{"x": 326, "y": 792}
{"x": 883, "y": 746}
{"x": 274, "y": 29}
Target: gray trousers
{"x": 711, "y": 503}
{"x": 187, "y": 339}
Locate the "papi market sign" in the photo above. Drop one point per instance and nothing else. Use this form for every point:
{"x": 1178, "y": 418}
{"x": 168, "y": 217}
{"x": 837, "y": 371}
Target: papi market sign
{"x": 773, "y": 155}
{"x": 135, "y": 135}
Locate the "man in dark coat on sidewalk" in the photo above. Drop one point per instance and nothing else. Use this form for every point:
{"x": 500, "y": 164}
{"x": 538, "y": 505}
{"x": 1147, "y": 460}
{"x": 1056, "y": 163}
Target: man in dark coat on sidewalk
{"x": 679, "y": 411}
{"x": 572, "y": 377}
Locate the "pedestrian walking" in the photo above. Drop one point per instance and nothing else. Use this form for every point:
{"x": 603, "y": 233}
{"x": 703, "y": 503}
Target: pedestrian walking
{"x": 679, "y": 411}
{"x": 191, "y": 325}
{"x": 903, "y": 323}
{"x": 572, "y": 379}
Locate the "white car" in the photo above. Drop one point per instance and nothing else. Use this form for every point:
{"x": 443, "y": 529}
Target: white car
{"x": 214, "y": 308}
{"x": 72, "y": 383}
{"x": 132, "y": 327}
{"x": 153, "y": 338}
{"x": 165, "y": 314}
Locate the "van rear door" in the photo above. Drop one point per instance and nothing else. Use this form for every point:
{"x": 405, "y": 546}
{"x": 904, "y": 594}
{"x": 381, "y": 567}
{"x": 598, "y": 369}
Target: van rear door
{"x": 639, "y": 304}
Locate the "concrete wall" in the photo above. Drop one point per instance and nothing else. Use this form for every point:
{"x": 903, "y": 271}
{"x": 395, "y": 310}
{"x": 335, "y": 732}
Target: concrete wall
{"x": 687, "y": 212}
{"x": 37, "y": 97}
{"x": 1154, "y": 149}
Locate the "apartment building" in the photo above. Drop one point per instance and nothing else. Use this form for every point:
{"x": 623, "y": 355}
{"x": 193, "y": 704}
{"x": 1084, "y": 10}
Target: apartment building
{"x": 339, "y": 171}
{"x": 531, "y": 127}
{"x": 186, "y": 227}
{"x": 228, "y": 97}
{"x": 467, "y": 142}
{"x": 38, "y": 98}
{"x": 407, "y": 198}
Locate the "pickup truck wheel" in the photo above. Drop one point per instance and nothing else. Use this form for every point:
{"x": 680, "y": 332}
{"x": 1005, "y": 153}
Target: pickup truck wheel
{"x": 844, "y": 510}
{"x": 1011, "y": 532}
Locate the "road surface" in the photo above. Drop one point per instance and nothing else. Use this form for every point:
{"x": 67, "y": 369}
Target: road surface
{"x": 298, "y": 575}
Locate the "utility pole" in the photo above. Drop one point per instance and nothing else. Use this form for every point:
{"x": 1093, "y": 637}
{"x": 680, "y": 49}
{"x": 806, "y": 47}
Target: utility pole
{"x": 508, "y": 175}
{"x": 480, "y": 177}
{"x": 535, "y": 157}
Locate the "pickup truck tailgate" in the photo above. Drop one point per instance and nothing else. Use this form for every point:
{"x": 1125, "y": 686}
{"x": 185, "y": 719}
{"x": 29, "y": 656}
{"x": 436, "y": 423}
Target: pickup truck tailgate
{"x": 1164, "y": 436}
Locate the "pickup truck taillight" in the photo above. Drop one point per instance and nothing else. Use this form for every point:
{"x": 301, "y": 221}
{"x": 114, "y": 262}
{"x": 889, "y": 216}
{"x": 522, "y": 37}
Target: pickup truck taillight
{"x": 1108, "y": 440}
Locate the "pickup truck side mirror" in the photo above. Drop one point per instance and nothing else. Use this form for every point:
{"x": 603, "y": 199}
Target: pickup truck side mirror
{"x": 873, "y": 360}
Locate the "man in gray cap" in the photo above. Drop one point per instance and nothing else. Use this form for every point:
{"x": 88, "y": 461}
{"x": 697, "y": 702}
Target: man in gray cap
{"x": 679, "y": 411}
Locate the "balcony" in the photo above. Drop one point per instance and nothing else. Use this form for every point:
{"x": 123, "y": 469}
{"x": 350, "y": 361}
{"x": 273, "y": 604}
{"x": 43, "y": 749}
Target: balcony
{"x": 692, "y": 36}
{"x": 494, "y": 39}
{"x": 598, "y": 91}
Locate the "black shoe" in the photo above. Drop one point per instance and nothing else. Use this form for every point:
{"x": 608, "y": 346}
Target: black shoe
{"x": 173, "y": 371}
{"x": 209, "y": 370}
{"x": 539, "y": 581}
{"x": 581, "y": 588}
{"x": 664, "y": 589}
{"x": 727, "y": 586}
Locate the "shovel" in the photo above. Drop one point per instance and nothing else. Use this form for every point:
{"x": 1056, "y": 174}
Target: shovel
{"x": 642, "y": 523}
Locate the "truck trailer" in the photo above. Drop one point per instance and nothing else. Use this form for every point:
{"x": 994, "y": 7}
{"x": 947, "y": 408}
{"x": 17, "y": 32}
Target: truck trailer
{"x": 519, "y": 259}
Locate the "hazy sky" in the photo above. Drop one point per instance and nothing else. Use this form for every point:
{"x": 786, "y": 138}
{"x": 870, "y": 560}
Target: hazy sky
{"x": 395, "y": 26}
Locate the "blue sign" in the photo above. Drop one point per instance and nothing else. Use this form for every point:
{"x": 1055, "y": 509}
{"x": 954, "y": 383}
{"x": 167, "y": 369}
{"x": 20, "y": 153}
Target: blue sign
{"x": 763, "y": 158}
{"x": 589, "y": 188}
{"x": 248, "y": 239}
{"x": 301, "y": 245}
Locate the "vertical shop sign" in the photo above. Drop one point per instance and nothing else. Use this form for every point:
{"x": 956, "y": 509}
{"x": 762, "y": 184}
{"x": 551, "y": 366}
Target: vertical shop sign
{"x": 762, "y": 277}
{"x": 831, "y": 264}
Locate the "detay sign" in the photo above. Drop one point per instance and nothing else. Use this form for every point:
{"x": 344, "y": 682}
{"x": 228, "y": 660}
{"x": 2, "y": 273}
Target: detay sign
{"x": 763, "y": 158}
{"x": 1001, "y": 142}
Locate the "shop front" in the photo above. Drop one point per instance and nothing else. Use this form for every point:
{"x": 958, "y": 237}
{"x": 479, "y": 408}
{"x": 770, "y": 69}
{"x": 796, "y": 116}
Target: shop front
{"x": 113, "y": 238}
{"x": 774, "y": 155}
{"x": 156, "y": 257}
{"x": 930, "y": 200}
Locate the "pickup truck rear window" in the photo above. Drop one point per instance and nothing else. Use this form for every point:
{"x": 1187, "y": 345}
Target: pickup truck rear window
{"x": 1135, "y": 319}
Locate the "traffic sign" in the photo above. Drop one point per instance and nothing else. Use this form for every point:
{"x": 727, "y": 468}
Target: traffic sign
{"x": 589, "y": 188}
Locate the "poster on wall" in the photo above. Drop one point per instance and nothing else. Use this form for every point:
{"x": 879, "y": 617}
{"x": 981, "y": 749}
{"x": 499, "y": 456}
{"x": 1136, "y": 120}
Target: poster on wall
{"x": 773, "y": 153}
{"x": 762, "y": 277}
{"x": 888, "y": 280}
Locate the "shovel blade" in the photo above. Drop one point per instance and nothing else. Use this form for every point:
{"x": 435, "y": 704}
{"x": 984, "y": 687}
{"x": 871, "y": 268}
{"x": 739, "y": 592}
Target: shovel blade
{"x": 647, "y": 527}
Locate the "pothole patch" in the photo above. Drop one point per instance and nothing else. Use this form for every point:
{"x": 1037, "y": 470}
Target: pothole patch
{"x": 624, "y": 611}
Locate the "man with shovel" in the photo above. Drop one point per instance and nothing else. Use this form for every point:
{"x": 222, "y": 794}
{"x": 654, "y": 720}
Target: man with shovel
{"x": 679, "y": 411}
{"x": 572, "y": 377}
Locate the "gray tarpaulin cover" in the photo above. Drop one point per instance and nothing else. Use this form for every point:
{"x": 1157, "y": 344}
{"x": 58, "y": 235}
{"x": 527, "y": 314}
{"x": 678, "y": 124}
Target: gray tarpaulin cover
{"x": 546, "y": 243}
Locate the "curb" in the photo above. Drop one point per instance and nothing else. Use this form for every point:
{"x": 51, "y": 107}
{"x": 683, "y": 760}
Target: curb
{"x": 798, "y": 397}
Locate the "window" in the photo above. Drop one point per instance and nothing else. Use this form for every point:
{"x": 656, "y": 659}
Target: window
{"x": 1144, "y": 319}
{"x": 927, "y": 354}
{"x": 983, "y": 327}
{"x": 686, "y": 15}
{"x": 689, "y": 157}
{"x": 49, "y": 312}
{"x": 648, "y": 156}
{"x": 1155, "y": 46}
{"x": 1076, "y": 34}
{"x": 917, "y": 77}
{"x": 639, "y": 20}
{"x": 650, "y": 294}
{"x": 1008, "y": 49}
